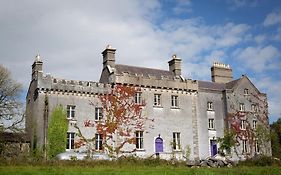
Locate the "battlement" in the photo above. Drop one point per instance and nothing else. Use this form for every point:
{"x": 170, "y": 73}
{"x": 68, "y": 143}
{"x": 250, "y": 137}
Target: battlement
{"x": 221, "y": 65}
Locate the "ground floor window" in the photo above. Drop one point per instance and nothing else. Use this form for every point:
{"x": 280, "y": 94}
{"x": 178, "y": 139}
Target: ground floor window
{"x": 244, "y": 146}
{"x": 70, "y": 140}
{"x": 176, "y": 141}
{"x": 139, "y": 139}
{"x": 98, "y": 144}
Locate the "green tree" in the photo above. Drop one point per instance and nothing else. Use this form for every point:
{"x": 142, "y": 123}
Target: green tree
{"x": 228, "y": 141}
{"x": 275, "y": 129}
{"x": 57, "y": 130}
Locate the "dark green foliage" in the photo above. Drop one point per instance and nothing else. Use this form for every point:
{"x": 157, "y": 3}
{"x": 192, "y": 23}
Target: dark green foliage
{"x": 228, "y": 141}
{"x": 260, "y": 161}
{"x": 275, "y": 129}
{"x": 57, "y": 130}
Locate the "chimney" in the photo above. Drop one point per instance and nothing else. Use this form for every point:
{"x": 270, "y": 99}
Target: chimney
{"x": 37, "y": 67}
{"x": 109, "y": 56}
{"x": 221, "y": 73}
{"x": 175, "y": 65}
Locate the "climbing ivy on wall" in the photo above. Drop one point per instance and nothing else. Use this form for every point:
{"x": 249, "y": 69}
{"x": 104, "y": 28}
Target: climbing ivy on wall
{"x": 57, "y": 130}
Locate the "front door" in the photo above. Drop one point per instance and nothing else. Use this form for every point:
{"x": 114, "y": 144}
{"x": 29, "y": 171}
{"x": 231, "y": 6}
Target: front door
{"x": 214, "y": 149}
{"x": 158, "y": 145}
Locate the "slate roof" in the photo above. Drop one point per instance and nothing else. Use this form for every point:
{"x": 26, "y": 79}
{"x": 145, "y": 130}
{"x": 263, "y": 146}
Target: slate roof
{"x": 141, "y": 71}
{"x": 217, "y": 86}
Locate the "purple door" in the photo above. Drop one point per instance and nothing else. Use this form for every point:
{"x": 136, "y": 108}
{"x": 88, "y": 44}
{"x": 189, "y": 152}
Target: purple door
{"x": 158, "y": 145}
{"x": 214, "y": 149}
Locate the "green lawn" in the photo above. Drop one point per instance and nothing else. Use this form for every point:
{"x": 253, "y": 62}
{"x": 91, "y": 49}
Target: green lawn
{"x": 133, "y": 170}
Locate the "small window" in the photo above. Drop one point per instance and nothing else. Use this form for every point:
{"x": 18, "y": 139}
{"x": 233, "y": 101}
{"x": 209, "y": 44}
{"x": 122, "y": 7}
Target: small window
{"x": 257, "y": 147}
{"x": 254, "y": 108}
{"x": 70, "y": 140}
{"x": 244, "y": 146}
{"x": 210, "y": 106}
{"x": 138, "y": 98}
{"x": 139, "y": 139}
{"x": 246, "y": 92}
{"x": 98, "y": 138}
{"x": 88, "y": 84}
{"x": 176, "y": 141}
{"x": 243, "y": 125}
{"x": 242, "y": 107}
{"x": 55, "y": 80}
{"x": 157, "y": 99}
{"x": 175, "y": 101}
{"x": 211, "y": 123}
{"x": 70, "y": 112}
{"x": 254, "y": 124}
{"x": 98, "y": 114}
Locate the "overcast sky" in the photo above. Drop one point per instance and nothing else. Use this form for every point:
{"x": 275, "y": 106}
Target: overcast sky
{"x": 70, "y": 36}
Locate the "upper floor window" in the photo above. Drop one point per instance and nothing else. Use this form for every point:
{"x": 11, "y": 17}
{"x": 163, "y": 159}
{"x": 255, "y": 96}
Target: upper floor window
{"x": 174, "y": 101}
{"x": 70, "y": 111}
{"x": 138, "y": 98}
{"x": 157, "y": 99}
{"x": 243, "y": 125}
{"x": 246, "y": 92}
{"x": 211, "y": 123}
{"x": 254, "y": 108}
{"x": 241, "y": 107}
{"x": 254, "y": 124}
{"x": 98, "y": 113}
{"x": 210, "y": 106}
{"x": 70, "y": 140}
{"x": 139, "y": 139}
{"x": 98, "y": 138}
{"x": 176, "y": 141}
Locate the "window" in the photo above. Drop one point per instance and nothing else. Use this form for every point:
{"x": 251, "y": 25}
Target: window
{"x": 176, "y": 140}
{"x": 211, "y": 123}
{"x": 157, "y": 99}
{"x": 254, "y": 124}
{"x": 210, "y": 106}
{"x": 138, "y": 98}
{"x": 174, "y": 100}
{"x": 139, "y": 139}
{"x": 257, "y": 148}
{"x": 98, "y": 141}
{"x": 241, "y": 107}
{"x": 98, "y": 114}
{"x": 246, "y": 92}
{"x": 244, "y": 146}
{"x": 243, "y": 125}
{"x": 70, "y": 140}
{"x": 254, "y": 108}
{"x": 70, "y": 111}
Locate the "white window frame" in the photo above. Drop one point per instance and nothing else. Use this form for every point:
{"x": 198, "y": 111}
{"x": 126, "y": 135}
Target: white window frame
{"x": 257, "y": 147}
{"x": 246, "y": 92}
{"x": 211, "y": 123}
{"x": 242, "y": 107}
{"x": 70, "y": 140}
{"x": 176, "y": 141}
{"x": 138, "y": 98}
{"x": 98, "y": 142}
{"x": 254, "y": 124}
{"x": 139, "y": 140}
{"x": 210, "y": 106}
{"x": 70, "y": 111}
{"x": 243, "y": 125}
{"x": 98, "y": 113}
{"x": 175, "y": 101}
{"x": 157, "y": 99}
{"x": 244, "y": 146}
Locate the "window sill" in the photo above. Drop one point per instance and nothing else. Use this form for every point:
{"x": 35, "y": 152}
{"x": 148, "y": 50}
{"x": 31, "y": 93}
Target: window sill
{"x": 140, "y": 150}
{"x": 210, "y": 110}
{"x": 211, "y": 129}
{"x": 157, "y": 106}
{"x": 175, "y": 107}
{"x": 177, "y": 150}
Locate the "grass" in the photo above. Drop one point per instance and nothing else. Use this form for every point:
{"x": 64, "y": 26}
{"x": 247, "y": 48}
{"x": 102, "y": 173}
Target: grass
{"x": 115, "y": 169}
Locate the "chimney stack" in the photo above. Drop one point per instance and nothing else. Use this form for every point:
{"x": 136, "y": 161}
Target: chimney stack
{"x": 109, "y": 56}
{"x": 221, "y": 73}
{"x": 175, "y": 65}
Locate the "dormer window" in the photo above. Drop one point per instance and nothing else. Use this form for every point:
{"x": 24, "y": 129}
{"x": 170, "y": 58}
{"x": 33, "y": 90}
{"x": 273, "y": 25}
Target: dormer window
{"x": 246, "y": 92}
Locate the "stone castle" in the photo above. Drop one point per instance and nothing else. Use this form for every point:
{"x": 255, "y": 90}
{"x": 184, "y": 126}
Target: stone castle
{"x": 188, "y": 114}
